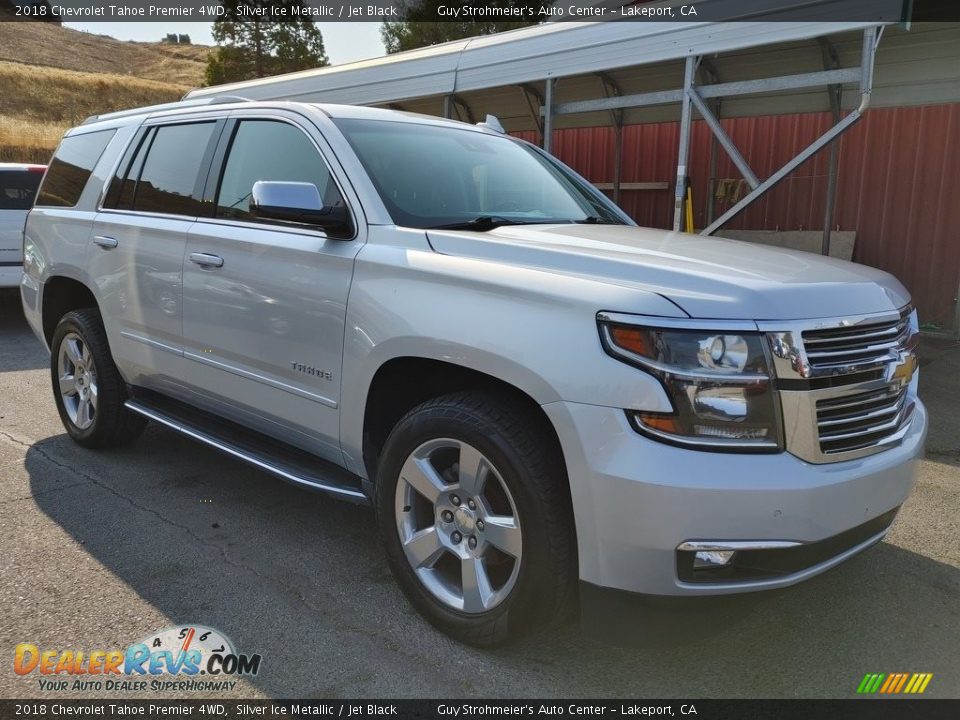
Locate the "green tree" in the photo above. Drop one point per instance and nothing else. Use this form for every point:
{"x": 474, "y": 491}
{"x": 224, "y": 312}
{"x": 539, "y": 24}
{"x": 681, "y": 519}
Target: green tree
{"x": 417, "y": 26}
{"x": 256, "y": 45}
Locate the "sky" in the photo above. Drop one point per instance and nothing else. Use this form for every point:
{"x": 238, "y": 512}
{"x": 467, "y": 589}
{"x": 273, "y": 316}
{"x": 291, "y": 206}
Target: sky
{"x": 344, "y": 41}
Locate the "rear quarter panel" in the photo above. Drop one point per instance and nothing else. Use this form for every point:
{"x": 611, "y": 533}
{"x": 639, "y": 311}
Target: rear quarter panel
{"x": 56, "y": 240}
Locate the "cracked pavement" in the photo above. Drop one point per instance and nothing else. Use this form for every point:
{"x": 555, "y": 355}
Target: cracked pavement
{"x": 102, "y": 548}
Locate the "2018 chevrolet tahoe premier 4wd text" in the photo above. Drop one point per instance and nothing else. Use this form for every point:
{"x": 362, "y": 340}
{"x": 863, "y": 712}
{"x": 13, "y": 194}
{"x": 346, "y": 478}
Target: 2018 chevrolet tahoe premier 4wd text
{"x": 450, "y": 324}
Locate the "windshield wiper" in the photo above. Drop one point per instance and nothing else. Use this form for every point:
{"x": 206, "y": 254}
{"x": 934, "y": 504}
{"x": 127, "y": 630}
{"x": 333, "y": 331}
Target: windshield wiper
{"x": 483, "y": 223}
{"x": 595, "y": 220}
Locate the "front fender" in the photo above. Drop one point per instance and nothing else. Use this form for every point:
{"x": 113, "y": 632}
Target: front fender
{"x": 530, "y": 328}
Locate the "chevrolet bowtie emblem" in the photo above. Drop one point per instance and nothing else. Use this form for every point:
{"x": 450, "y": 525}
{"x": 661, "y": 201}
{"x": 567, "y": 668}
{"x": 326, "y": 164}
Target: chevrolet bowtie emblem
{"x": 903, "y": 370}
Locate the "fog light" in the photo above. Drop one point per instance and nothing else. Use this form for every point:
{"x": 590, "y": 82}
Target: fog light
{"x": 712, "y": 558}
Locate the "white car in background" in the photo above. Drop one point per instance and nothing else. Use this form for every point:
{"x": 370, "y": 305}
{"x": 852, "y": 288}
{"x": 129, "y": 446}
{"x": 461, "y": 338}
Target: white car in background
{"x": 18, "y": 188}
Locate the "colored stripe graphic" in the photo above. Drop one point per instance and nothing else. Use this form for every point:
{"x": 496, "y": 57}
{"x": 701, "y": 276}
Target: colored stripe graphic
{"x": 894, "y": 683}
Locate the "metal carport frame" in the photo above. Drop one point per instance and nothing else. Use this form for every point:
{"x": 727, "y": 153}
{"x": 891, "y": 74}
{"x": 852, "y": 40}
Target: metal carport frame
{"x": 691, "y": 95}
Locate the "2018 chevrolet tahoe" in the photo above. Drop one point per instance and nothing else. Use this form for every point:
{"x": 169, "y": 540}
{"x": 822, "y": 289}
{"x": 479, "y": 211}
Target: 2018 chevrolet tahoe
{"x": 449, "y": 324}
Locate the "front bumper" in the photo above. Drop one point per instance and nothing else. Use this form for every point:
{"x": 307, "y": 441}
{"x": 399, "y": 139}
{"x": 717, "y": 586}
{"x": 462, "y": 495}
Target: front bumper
{"x": 637, "y": 500}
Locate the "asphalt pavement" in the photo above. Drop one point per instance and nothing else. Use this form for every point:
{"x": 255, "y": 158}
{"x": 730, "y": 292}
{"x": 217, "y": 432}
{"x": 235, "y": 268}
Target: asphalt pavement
{"x": 103, "y": 548}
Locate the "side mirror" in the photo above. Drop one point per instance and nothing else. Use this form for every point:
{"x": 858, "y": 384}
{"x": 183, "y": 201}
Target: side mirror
{"x": 298, "y": 202}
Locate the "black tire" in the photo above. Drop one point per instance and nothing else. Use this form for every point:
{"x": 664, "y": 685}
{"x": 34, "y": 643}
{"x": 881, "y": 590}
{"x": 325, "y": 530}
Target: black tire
{"x": 527, "y": 457}
{"x": 112, "y": 424}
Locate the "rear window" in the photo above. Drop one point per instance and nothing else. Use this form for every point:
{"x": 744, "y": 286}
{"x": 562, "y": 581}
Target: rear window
{"x": 170, "y": 174}
{"x": 18, "y": 188}
{"x": 71, "y": 168}
{"x": 161, "y": 172}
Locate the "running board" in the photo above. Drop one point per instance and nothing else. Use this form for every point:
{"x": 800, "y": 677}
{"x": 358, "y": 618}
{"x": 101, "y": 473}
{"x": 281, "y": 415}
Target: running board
{"x": 292, "y": 464}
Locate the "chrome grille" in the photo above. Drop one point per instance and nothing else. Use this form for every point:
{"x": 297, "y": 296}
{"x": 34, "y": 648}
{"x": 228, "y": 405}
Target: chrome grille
{"x": 855, "y": 347}
{"x": 845, "y": 383}
{"x": 861, "y": 420}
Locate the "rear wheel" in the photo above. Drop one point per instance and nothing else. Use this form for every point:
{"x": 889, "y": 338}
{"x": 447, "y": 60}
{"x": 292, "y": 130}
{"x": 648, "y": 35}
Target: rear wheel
{"x": 473, "y": 508}
{"x": 88, "y": 389}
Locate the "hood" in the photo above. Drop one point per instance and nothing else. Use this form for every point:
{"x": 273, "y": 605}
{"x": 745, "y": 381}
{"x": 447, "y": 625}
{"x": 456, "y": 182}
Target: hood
{"x": 708, "y": 277}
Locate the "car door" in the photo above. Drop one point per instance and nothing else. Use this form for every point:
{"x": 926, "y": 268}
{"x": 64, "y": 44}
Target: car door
{"x": 140, "y": 236}
{"x": 264, "y": 303}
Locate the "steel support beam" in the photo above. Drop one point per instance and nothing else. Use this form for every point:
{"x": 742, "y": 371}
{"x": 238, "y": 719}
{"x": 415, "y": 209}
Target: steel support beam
{"x": 548, "y": 111}
{"x": 866, "y": 87}
{"x": 709, "y": 71}
{"x": 744, "y": 87}
{"x": 683, "y": 152}
{"x": 611, "y": 88}
{"x": 448, "y": 106}
{"x": 534, "y": 100}
{"x": 831, "y": 60}
{"x": 780, "y": 174}
{"x": 742, "y": 165}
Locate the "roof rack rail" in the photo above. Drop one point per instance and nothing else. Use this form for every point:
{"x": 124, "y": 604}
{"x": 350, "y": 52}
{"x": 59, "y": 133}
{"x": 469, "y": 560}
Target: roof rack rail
{"x": 193, "y": 102}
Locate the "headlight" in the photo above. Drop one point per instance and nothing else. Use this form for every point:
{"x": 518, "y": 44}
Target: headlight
{"x": 718, "y": 382}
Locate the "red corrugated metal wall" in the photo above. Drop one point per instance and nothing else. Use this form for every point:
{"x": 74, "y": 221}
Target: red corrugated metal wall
{"x": 898, "y": 185}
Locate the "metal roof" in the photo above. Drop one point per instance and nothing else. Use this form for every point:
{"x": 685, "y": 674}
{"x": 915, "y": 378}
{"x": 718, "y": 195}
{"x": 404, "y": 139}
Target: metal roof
{"x": 527, "y": 55}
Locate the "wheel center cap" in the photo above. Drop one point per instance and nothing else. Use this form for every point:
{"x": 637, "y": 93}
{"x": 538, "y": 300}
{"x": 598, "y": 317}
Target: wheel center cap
{"x": 465, "y": 520}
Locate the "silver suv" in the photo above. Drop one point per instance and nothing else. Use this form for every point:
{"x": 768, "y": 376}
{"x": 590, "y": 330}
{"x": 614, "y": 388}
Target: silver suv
{"x": 449, "y": 324}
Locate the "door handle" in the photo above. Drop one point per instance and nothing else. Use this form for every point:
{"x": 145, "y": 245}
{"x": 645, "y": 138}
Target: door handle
{"x": 107, "y": 243}
{"x": 206, "y": 260}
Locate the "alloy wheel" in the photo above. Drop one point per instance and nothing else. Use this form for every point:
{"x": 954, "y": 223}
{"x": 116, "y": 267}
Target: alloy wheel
{"x": 458, "y": 525}
{"x": 77, "y": 377}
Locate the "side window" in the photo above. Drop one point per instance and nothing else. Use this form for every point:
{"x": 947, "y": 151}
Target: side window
{"x": 168, "y": 178}
{"x": 121, "y": 190}
{"x": 270, "y": 150}
{"x": 71, "y": 167}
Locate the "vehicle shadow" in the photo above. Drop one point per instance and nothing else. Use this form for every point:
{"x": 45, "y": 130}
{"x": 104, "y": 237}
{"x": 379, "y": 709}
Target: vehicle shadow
{"x": 300, "y": 579}
{"x": 19, "y": 348}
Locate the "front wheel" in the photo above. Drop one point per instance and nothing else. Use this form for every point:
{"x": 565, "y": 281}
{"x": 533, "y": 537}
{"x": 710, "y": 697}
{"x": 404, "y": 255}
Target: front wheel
{"x": 473, "y": 508}
{"x": 88, "y": 389}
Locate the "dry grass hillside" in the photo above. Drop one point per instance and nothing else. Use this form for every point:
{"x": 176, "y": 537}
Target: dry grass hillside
{"x": 54, "y": 46}
{"x": 53, "y": 77}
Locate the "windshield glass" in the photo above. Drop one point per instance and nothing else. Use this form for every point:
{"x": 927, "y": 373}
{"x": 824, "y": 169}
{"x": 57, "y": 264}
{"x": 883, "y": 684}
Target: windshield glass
{"x": 431, "y": 176}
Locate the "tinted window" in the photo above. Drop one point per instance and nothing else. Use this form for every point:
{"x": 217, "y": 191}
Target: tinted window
{"x": 169, "y": 175}
{"x": 269, "y": 150}
{"x": 71, "y": 167}
{"x": 124, "y": 183}
{"x": 18, "y": 188}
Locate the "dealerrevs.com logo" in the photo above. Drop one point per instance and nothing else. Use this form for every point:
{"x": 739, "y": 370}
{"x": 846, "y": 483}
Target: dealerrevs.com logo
{"x": 191, "y": 657}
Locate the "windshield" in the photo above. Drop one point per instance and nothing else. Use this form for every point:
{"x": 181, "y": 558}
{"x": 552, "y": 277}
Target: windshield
{"x": 431, "y": 176}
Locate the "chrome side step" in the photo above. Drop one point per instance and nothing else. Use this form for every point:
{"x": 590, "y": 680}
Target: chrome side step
{"x": 290, "y": 463}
